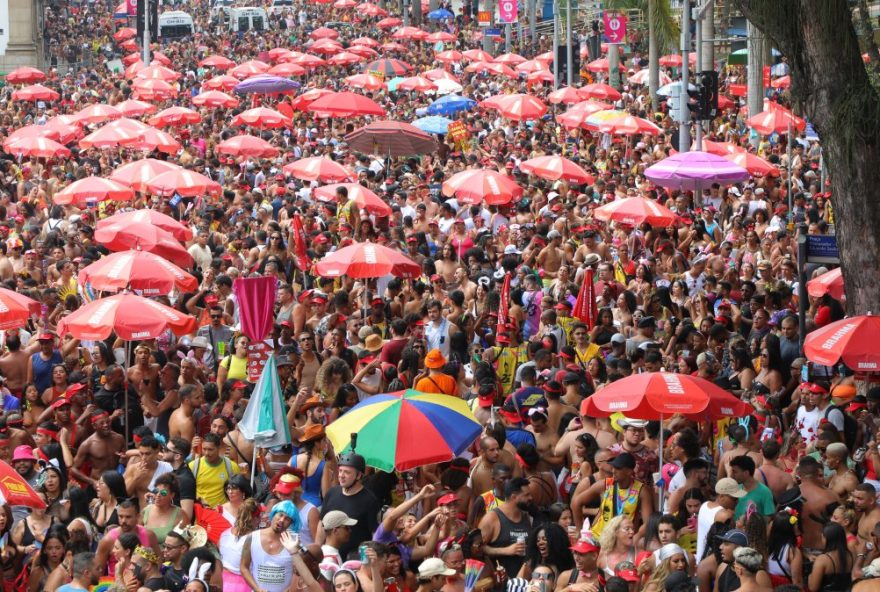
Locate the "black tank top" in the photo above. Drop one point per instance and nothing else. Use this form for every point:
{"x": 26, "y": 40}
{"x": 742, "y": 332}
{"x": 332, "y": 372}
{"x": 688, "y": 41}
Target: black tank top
{"x": 508, "y": 532}
{"x": 729, "y": 581}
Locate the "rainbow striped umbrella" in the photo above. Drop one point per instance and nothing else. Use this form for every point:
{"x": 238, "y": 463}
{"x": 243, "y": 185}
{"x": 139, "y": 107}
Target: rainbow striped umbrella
{"x": 406, "y": 429}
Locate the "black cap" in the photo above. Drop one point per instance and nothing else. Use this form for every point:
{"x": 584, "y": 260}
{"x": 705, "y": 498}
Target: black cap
{"x": 647, "y": 322}
{"x": 570, "y": 378}
{"x": 624, "y": 460}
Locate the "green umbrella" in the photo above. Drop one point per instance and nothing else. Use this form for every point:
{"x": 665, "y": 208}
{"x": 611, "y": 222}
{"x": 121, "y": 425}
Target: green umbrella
{"x": 739, "y": 57}
{"x": 392, "y": 84}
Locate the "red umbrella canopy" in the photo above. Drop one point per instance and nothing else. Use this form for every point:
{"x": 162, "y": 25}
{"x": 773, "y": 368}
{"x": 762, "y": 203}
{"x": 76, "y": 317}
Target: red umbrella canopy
{"x": 149, "y": 274}
{"x": 367, "y": 260}
{"x": 175, "y": 116}
{"x": 324, "y": 33}
{"x": 143, "y": 236}
{"x": 222, "y": 82}
{"x": 248, "y": 69}
{"x": 521, "y": 107}
{"x": 91, "y": 190}
{"x": 635, "y": 211}
{"x": 852, "y": 341}
{"x": 475, "y": 185}
{"x": 554, "y": 168}
{"x": 345, "y": 104}
{"x": 153, "y": 139}
{"x": 262, "y": 117}
{"x": 178, "y": 230}
{"x": 215, "y": 98}
{"x": 16, "y": 491}
{"x": 245, "y": 145}
{"x": 183, "y": 182}
{"x": 217, "y": 61}
{"x": 363, "y": 198}
{"x": 478, "y": 55}
{"x": 153, "y": 89}
{"x": 753, "y": 163}
{"x": 25, "y": 75}
{"x": 131, "y": 317}
{"x": 577, "y": 114}
{"x": 114, "y": 133}
{"x": 600, "y": 91}
{"x": 157, "y": 72}
{"x": 388, "y": 23}
{"x": 389, "y": 66}
{"x": 35, "y": 92}
{"x": 16, "y": 309}
{"x": 31, "y": 131}
{"x": 140, "y": 172}
{"x": 38, "y": 147}
{"x": 775, "y": 119}
{"x": 318, "y": 168}
{"x": 827, "y": 283}
{"x": 98, "y": 113}
{"x": 135, "y": 108}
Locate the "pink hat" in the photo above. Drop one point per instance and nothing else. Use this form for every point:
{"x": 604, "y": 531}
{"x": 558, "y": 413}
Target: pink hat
{"x": 23, "y": 452}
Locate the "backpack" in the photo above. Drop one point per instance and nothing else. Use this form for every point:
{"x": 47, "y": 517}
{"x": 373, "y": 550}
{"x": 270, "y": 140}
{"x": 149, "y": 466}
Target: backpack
{"x": 850, "y": 425}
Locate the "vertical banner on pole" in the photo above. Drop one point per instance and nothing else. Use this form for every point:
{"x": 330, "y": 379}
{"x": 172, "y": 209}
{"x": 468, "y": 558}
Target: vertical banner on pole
{"x": 615, "y": 27}
{"x": 508, "y": 10}
{"x": 132, "y": 7}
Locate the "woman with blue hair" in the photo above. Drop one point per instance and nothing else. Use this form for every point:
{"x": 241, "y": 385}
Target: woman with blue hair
{"x": 266, "y": 561}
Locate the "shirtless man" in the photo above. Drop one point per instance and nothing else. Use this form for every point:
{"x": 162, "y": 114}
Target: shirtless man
{"x": 143, "y": 469}
{"x": 182, "y": 423}
{"x": 545, "y": 438}
{"x": 565, "y": 445}
{"x": 14, "y": 363}
{"x": 542, "y": 484}
{"x": 6, "y": 271}
{"x": 551, "y": 257}
{"x": 817, "y": 497}
{"x": 99, "y": 452}
{"x": 168, "y": 380}
{"x": 772, "y": 475}
{"x": 481, "y": 468}
{"x": 739, "y": 435}
{"x": 590, "y": 247}
{"x": 555, "y": 407}
{"x": 864, "y": 499}
{"x": 843, "y": 480}
{"x": 144, "y": 375}
{"x": 241, "y": 448}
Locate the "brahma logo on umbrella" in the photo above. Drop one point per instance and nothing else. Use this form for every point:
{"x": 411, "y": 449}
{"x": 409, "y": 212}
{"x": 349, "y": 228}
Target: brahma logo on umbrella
{"x": 167, "y": 311}
{"x": 119, "y": 267}
{"x": 867, "y": 365}
{"x": 140, "y": 334}
{"x": 13, "y": 486}
{"x": 618, "y": 406}
{"x": 97, "y": 317}
{"x": 829, "y": 343}
{"x": 673, "y": 383}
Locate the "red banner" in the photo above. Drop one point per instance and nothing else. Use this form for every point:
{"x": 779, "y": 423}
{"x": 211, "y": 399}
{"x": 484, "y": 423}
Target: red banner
{"x": 766, "y": 74}
{"x": 257, "y": 356}
{"x": 503, "y": 306}
{"x": 508, "y": 10}
{"x": 615, "y": 27}
{"x": 739, "y": 90}
{"x": 300, "y": 251}
{"x": 585, "y": 308}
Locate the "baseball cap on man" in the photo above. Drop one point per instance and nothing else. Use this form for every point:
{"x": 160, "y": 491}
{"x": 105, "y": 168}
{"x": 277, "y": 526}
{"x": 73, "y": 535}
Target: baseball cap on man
{"x": 624, "y": 460}
{"x": 336, "y": 518}
{"x": 434, "y": 566}
{"x": 735, "y": 537}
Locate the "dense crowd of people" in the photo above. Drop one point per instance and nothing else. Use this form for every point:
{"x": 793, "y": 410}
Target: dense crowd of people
{"x": 548, "y": 497}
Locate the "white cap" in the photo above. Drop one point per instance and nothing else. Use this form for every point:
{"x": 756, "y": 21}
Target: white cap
{"x": 511, "y": 250}
{"x": 434, "y": 566}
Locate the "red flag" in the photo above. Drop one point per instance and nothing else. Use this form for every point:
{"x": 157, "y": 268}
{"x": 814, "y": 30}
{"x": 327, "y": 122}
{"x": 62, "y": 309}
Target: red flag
{"x": 256, "y": 303}
{"x": 300, "y": 252}
{"x": 503, "y": 306}
{"x": 585, "y": 308}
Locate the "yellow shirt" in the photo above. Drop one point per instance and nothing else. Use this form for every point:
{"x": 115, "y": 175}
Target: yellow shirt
{"x": 211, "y": 479}
{"x": 583, "y": 358}
{"x": 506, "y": 361}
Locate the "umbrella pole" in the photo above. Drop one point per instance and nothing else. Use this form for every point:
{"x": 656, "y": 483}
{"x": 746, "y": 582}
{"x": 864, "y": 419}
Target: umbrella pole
{"x": 127, "y": 363}
{"x": 254, "y": 466}
{"x": 660, "y": 468}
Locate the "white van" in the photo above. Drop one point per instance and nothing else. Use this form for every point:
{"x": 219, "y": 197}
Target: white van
{"x": 279, "y": 6}
{"x": 248, "y": 19}
{"x": 175, "y": 24}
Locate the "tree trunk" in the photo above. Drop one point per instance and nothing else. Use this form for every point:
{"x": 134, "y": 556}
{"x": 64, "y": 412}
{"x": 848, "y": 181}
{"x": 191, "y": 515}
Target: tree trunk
{"x": 830, "y": 82}
{"x": 755, "y": 71}
{"x": 653, "y": 55}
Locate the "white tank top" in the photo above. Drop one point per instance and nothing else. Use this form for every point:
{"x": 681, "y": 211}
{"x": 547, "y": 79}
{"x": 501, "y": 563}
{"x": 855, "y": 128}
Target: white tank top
{"x": 705, "y": 520}
{"x": 230, "y": 551}
{"x": 305, "y": 535}
{"x": 780, "y": 567}
{"x": 273, "y": 573}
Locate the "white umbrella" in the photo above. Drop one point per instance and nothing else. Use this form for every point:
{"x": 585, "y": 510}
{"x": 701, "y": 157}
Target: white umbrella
{"x": 672, "y": 89}
{"x": 446, "y": 87}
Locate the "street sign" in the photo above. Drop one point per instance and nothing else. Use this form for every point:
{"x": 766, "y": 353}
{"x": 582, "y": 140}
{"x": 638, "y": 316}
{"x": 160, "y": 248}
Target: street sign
{"x": 508, "y": 10}
{"x": 495, "y": 32}
{"x": 822, "y": 248}
{"x": 484, "y": 18}
{"x": 615, "y": 27}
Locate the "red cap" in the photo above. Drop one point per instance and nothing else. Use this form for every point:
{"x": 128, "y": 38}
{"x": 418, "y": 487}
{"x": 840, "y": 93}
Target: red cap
{"x": 629, "y": 575}
{"x": 74, "y": 388}
{"x": 585, "y": 546}
{"x": 239, "y": 385}
{"x": 45, "y": 336}
{"x": 813, "y": 388}
{"x": 486, "y": 400}
{"x": 447, "y": 499}
{"x": 60, "y": 402}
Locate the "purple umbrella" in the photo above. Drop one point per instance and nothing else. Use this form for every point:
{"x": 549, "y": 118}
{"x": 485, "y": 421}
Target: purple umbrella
{"x": 692, "y": 171}
{"x": 265, "y": 84}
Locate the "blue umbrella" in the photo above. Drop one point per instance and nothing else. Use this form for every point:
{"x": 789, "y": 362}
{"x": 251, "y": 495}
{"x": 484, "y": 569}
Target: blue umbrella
{"x": 433, "y": 125}
{"x": 266, "y": 84}
{"x": 439, "y": 14}
{"x": 450, "y": 104}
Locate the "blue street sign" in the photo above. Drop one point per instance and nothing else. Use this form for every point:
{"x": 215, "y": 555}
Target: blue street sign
{"x": 492, "y": 32}
{"x": 822, "y": 249}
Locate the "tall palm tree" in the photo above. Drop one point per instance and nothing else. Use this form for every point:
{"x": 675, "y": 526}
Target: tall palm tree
{"x": 664, "y": 31}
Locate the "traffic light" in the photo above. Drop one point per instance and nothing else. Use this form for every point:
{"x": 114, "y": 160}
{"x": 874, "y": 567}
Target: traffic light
{"x": 695, "y": 103}
{"x": 709, "y": 87}
{"x": 153, "y": 11}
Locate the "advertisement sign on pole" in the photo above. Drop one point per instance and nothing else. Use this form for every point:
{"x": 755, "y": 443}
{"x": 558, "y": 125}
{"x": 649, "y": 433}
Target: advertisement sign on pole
{"x": 132, "y": 7}
{"x": 615, "y": 27}
{"x": 484, "y": 18}
{"x": 508, "y": 10}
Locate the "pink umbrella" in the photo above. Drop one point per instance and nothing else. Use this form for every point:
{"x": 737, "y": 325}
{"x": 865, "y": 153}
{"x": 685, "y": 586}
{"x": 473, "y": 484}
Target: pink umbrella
{"x": 318, "y": 168}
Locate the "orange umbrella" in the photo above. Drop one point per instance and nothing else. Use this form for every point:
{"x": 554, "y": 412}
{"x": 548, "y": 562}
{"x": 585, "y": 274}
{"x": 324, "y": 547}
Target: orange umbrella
{"x": 217, "y": 61}
{"x": 245, "y": 145}
{"x": 91, "y": 190}
{"x": 222, "y": 82}
{"x": 475, "y": 185}
{"x": 177, "y": 229}
{"x": 175, "y": 116}
{"x": 37, "y": 147}
{"x": 248, "y": 69}
{"x": 364, "y": 81}
{"x": 98, "y": 113}
{"x": 263, "y": 118}
{"x": 140, "y": 172}
{"x": 318, "y": 168}
{"x": 135, "y": 108}
{"x": 183, "y": 182}
{"x": 215, "y": 98}
{"x": 34, "y": 93}
{"x": 25, "y": 75}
